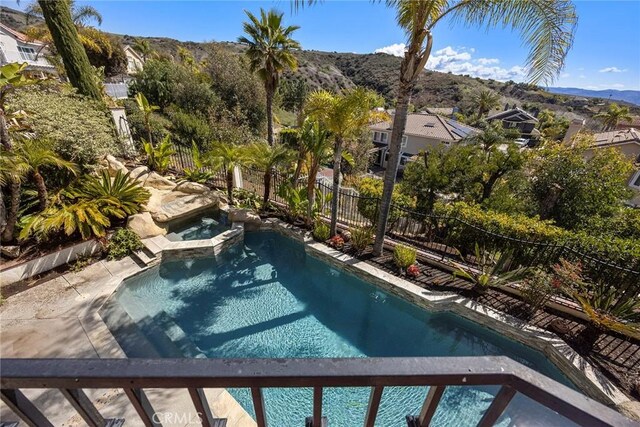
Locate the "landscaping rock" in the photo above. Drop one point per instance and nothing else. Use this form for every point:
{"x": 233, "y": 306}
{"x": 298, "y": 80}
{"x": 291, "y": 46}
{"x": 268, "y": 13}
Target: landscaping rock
{"x": 157, "y": 181}
{"x": 251, "y": 219}
{"x": 144, "y": 225}
{"x": 114, "y": 165}
{"x": 167, "y": 206}
{"x": 191, "y": 187}
{"x": 139, "y": 171}
{"x": 10, "y": 251}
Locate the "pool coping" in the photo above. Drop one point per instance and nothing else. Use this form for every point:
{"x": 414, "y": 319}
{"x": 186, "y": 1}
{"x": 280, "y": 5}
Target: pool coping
{"x": 581, "y": 372}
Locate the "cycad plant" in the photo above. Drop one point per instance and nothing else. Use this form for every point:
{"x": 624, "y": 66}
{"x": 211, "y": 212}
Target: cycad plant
{"x": 227, "y": 156}
{"x": 270, "y": 53}
{"x": 119, "y": 196}
{"x": 267, "y": 158}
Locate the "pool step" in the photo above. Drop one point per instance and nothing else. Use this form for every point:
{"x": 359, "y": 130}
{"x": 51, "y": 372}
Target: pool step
{"x": 146, "y": 257}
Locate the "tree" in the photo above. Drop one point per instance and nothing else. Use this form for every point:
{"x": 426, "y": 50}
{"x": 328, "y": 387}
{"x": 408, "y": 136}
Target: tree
{"x": 11, "y": 76}
{"x": 81, "y": 15}
{"x": 57, "y": 15}
{"x": 614, "y": 115}
{"x": 269, "y": 50}
{"x": 484, "y": 101}
{"x": 147, "y": 110}
{"x": 547, "y": 27}
{"x": 227, "y": 156}
{"x": 316, "y": 145}
{"x": 552, "y": 127}
{"x": 572, "y": 190}
{"x": 293, "y": 93}
{"x": 266, "y": 158}
{"x": 345, "y": 116}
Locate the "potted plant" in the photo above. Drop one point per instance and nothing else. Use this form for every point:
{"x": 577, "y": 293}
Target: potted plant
{"x": 404, "y": 256}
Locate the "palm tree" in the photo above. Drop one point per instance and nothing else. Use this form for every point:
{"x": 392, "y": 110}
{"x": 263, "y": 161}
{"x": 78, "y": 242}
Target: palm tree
{"x": 345, "y": 116}
{"x": 614, "y": 115}
{"x": 143, "y": 47}
{"x": 484, "y": 101}
{"x": 317, "y": 147}
{"x": 81, "y": 15}
{"x": 227, "y": 156}
{"x": 64, "y": 33}
{"x": 12, "y": 174}
{"x": 266, "y": 158}
{"x": 269, "y": 49}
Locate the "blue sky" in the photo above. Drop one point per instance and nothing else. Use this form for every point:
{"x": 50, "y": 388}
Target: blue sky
{"x": 605, "y": 55}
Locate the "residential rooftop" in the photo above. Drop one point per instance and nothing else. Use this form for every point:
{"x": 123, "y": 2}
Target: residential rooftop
{"x": 430, "y": 126}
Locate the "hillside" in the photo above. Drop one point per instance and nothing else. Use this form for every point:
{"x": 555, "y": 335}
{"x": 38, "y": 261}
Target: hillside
{"x": 631, "y": 96}
{"x": 334, "y": 71}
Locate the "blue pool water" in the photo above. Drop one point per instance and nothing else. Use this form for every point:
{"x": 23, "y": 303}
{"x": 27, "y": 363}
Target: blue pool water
{"x": 269, "y": 299}
{"x": 204, "y": 227}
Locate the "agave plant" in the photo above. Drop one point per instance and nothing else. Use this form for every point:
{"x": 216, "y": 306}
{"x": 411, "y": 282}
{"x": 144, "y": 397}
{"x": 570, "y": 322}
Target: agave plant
{"x": 490, "y": 269}
{"x": 159, "y": 158}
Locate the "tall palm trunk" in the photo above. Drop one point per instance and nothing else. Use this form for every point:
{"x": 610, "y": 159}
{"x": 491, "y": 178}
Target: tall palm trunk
{"x": 299, "y": 163}
{"x": 41, "y": 188}
{"x": 412, "y": 65}
{"x": 5, "y": 139}
{"x": 57, "y": 16}
{"x": 269, "y": 88}
{"x": 230, "y": 184}
{"x": 337, "y": 160}
{"x": 12, "y": 213}
{"x": 267, "y": 188}
{"x": 311, "y": 188}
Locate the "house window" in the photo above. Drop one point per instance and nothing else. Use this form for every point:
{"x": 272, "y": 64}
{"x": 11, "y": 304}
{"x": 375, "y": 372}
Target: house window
{"x": 376, "y": 136}
{"x": 446, "y": 142}
{"x": 404, "y": 141}
{"x": 27, "y": 53}
{"x": 635, "y": 181}
{"x": 383, "y": 137}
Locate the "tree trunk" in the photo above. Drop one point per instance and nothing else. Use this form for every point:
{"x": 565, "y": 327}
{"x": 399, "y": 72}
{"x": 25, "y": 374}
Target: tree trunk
{"x": 12, "y": 214}
{"x": 311, "y": 189}
{"x": 337, "y": 160}
{"x": 230, "y": 185}
{"x": 487, "y": 187}
{"x": 269, "y": 114}
{"x": 42, "y": 190}
{"x": 399, "y": 122}
{"x": 300, "y": 161}
{"x": 5, "y": 139}
{"x": 57, "y": 15}
{"x": 267, "y": 188}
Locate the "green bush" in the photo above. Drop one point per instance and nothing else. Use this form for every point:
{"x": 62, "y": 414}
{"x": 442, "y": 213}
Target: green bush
{"x": 189, "y": 128}
{"x": 123, "y": 243}
{"x": 321, "y": 231}
{"x": 537, "y": 288}
{"x": 404, "y": 256}
{"x": 370, "y": 190}
{"x": 361, "y": 237}
{"x": 159, "y": 124}
{"x": 159, "y": 158}
{"x": 81, "y": 129}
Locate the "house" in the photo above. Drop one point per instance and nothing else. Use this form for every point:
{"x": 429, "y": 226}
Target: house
{"x": 634, "y": 123}
{"x": 16, "y": 47}
{"x": 627, "y": 141}
{"x": 516, "y": 118}
{"x": 423, "y": 131}
{"x": 135, "y": 61}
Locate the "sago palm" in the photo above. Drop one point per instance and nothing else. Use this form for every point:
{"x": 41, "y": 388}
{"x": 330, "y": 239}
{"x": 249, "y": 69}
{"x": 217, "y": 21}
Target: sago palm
{"x": 119, "y": 196}
{"x": 270, "y": 53}
{"x": 484, "y": 101}
{"x": 266, "y": 158}
{"x": 227, "y": 156}
{"x": 345, "y": 116}
{"x": 614, "y": 115}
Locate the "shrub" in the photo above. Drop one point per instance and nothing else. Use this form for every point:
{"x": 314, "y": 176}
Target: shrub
{"x": 336, "y": 242}
{"x": 124, "y": 242}
{"x": 413, "y": 270}
{"x": 361, "y": 237}
{"x": 189, "y": 128}
{"x": 198, "y": 173}
{"x": 157, "y": 123}
{"x": 404, "y": 256}
{"x": 81, "y": 129}
{"x": 159, "y": 158}
{"x": 370, "y": 190}
{"x": 537, "y": 289}
{"x": 321, "y": 231}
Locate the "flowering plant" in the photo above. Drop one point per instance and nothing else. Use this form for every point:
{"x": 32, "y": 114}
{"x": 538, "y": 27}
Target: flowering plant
{"x": 413, "y": 270}
{"x": 336, "y": 242}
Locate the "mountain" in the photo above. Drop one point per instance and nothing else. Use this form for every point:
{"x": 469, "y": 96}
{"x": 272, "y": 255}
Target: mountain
{"x": 631, "y": 96}
{"x": 334, "y": 71}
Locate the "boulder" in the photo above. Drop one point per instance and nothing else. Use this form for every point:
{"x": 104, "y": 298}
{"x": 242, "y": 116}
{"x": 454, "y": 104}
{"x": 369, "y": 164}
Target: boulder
{"x": 139, "y": 171}
{"x": 191, "y": 187}
{"x": 167, "y": 206}
{"x": 10, "y": 251}
{"x": 157, "y": 181}
{"x": 251, "y": 219}
{"x": 114, "y": 165}
{"x": 144, "y": 225}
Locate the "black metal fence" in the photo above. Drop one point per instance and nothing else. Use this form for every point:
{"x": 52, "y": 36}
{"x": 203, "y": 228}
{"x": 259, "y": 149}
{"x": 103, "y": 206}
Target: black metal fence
{"x": 183, "y": 159}
{"x": 72, "y": 376}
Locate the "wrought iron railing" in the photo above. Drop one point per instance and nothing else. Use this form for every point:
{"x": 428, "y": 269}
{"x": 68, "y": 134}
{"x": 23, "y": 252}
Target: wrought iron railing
{"x": 73, "y": 376}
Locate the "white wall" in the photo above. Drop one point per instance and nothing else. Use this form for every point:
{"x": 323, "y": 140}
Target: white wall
{"x": 10, "y": 53}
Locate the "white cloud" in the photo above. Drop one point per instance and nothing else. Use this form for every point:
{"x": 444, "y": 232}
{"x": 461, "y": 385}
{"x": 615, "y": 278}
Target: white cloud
{"x": 395, "y": 49}
{"x": 612, "y": 70}
{"x": 565, "y": 75}
{"x": 461, "y": 61}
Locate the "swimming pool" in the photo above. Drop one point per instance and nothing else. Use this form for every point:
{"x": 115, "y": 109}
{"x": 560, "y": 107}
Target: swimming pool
{"x": 269, "y": 299}
{"x": 203, "y": 227}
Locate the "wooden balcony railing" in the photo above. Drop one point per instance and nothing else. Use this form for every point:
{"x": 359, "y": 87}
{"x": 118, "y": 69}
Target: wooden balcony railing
{"x": 72, "y": 376}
